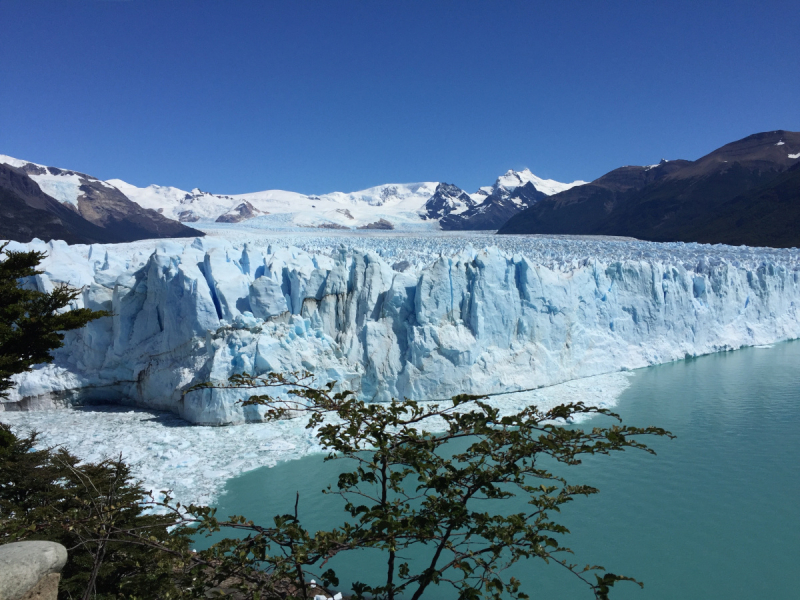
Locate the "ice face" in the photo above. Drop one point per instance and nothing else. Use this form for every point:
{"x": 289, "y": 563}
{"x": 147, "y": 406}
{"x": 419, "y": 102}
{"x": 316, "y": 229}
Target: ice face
{"x": 516, "y": 313}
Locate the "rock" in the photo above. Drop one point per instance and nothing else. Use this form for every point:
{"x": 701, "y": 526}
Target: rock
{"x": 332, "y": 226}
{"x": 188, "y": 216}
{"x": 446, "y": 199}
{"x": 240, "y": 213}
{"x": 379, "y": 224}
{"x": 30, "y": 570}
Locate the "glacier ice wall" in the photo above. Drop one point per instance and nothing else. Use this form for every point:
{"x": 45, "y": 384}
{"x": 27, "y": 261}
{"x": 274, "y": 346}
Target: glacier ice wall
{"x": 533, "y": 313}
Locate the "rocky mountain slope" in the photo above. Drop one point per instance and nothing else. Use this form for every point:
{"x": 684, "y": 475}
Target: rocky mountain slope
{"x": 493, "y": 206}
{"x": 768, "y": 215}
{"x": 741, "y": 193}
{"x": 26, "y": 212}
{"x": 52, "y": 203}
{"x": 447, "y": 199}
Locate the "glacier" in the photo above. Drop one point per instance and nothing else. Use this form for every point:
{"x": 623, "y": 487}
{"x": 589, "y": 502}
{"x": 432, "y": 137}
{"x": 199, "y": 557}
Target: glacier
{"x": 394, "y": 315}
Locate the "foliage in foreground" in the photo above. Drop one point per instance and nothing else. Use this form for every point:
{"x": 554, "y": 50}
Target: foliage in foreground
{"x": 97, "y": 511}
{"x": 421, "y": 478}
{"x": 422, "y": 474}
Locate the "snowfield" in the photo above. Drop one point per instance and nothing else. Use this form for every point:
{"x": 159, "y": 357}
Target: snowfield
{"x": 278, "y": 209}
{"x": 403, "y": 205}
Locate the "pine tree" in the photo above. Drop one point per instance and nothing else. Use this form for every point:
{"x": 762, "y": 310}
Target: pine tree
{"x": 32, "y": 322}
{"x": 98, "y": 511}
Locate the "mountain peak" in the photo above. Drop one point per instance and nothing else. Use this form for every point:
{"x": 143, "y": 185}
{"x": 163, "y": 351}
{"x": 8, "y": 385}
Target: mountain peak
{"x": 514, "y": 179}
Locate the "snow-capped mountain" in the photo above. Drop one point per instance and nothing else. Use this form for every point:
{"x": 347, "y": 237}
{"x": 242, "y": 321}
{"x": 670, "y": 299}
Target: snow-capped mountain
{"x": 404, "y": 206}
{"x": 745, "y": 192}
{"x": 492, "y": 206}
{"x": 447, "y": 199}
{"x": 399, "y": 204}
{"x": 511, "y": 180}
{"x": 187, "y": 207}
{"x": 433, "y": 205}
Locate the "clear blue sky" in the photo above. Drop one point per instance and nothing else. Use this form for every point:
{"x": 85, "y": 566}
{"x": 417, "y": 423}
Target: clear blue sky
{"x": 315, "y": 96}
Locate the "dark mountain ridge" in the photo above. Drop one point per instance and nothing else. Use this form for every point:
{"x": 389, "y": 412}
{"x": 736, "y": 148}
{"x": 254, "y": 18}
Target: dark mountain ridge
{"x": 27, "y": 213}
{"x": 102, "y": 215}
{"x": 768, "y": 215}
{"x": 677, "y": 200}
{"x": 495, "y": 210}
{"x": 446, "y": 199}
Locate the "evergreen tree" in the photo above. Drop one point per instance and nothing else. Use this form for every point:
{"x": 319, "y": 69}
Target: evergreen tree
{"x": 117, "y": 548}
{"x": 97, "y": 511}
{"x": 32, "y": 322}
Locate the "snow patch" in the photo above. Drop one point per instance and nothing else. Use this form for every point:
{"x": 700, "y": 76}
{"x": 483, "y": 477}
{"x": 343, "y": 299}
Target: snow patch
{"x": 64, "y": 188}
{"x": 794, "y": 155}
{"x": 14, "y": 162}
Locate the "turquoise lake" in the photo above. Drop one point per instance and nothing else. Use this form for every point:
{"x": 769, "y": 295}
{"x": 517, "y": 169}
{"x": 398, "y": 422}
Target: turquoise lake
{"x": 715, "y": 515}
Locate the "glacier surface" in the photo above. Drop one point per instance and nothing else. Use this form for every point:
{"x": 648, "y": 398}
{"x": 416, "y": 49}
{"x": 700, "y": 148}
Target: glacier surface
{"x": 395, "y": 315}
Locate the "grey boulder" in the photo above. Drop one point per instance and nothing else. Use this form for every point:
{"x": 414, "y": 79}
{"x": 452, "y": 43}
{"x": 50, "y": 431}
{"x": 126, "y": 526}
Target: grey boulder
{"x": 26, "y": 566}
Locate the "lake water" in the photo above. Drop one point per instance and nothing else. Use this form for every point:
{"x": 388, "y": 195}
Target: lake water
{"x": 716, "y": 515}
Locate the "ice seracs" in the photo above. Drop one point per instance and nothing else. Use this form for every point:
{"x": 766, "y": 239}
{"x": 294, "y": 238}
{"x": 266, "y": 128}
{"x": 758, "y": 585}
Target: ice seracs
{"x": 456, "y": 319}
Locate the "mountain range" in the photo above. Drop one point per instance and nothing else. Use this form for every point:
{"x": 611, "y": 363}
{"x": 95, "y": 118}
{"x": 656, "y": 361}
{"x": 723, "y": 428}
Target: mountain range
{"x": 55, "y": 203}
{"x": 401, "y": 205}
{"x": 744, "y": 193}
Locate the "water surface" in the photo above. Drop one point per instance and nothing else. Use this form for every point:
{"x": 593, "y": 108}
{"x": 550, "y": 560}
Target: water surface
{"x": 713, "y": 516}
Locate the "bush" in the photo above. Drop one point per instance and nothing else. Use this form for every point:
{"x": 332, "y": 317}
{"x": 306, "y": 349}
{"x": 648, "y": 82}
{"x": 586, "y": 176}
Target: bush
{"x": 98, "y": 512}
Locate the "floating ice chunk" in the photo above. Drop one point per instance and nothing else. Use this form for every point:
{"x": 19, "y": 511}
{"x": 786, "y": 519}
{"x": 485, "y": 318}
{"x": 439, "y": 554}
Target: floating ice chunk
{"x": 167, "y": 453}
